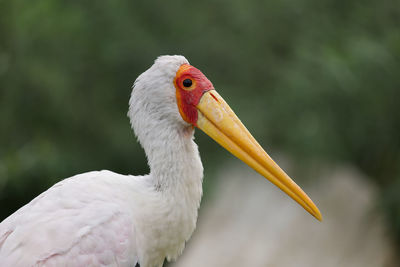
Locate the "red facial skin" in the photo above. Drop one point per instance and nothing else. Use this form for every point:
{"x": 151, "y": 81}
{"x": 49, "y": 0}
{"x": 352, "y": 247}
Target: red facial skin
{"x": 189, "y": 97}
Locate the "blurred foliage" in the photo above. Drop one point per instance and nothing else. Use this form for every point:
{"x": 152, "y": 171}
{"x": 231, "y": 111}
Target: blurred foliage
{"x": 316, "y": 79}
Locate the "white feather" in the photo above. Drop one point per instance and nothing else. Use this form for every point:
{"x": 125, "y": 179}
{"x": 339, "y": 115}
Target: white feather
{"x": 107, "y": 219}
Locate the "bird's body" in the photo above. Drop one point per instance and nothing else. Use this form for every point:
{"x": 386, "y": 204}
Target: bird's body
{"x": 107, "y": 219}
{"x": 97, "y": 219}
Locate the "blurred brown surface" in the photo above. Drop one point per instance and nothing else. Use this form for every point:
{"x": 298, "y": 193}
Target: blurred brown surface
{"x": 249, "y": 222}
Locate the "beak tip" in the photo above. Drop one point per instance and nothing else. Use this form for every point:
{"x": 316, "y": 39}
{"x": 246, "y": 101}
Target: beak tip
{"x": 318, "y": 215}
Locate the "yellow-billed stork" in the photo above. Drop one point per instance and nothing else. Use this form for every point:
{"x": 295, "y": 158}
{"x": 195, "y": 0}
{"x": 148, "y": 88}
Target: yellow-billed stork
{"x": 102, "y": 218}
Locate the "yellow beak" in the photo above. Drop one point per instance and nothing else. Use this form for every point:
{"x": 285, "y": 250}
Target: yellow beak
{"x": 218, "y": 121}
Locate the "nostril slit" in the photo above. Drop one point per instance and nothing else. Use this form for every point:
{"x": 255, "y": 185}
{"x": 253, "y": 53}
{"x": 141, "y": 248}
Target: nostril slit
{"x": 214, "y": 97}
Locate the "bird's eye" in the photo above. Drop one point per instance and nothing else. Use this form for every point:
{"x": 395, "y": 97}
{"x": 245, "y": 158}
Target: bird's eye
{"x": 187, "y": 82}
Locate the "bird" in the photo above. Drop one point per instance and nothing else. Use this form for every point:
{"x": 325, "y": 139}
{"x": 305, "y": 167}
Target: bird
{"x": 102, "y": 218}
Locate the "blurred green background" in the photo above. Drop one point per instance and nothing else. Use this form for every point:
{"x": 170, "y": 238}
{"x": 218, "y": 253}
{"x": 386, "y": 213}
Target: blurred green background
{"x": 318, "y": 80}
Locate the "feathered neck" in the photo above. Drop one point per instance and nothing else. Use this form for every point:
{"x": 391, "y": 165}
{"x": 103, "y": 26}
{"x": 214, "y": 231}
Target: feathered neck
{"x": 173, "y": 158}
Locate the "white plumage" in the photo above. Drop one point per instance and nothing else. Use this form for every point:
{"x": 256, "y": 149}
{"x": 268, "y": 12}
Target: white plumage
{"x": 107, "y": 219}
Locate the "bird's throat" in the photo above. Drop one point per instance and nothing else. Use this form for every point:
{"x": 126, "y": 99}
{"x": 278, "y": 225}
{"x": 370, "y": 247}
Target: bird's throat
{"x": 174, "y": 162}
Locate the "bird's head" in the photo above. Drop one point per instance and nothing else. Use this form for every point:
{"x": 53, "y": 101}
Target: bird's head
{"x": 175, "y": 93}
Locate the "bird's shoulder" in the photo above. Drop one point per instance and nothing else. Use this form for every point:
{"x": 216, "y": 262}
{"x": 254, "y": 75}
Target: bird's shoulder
{"x": 84, "y": 218}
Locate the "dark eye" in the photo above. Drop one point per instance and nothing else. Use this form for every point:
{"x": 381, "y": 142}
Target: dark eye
{"x": 187, "y": 82}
